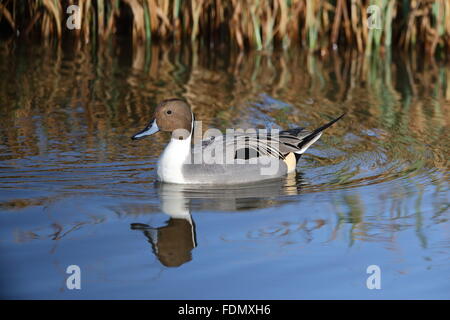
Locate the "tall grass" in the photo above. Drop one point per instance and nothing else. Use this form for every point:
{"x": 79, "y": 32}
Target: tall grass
{"x": 317, "y": 25}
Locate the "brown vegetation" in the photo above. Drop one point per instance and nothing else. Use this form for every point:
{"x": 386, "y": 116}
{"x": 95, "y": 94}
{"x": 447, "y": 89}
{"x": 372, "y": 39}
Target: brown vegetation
{"x": 316, "y": 25}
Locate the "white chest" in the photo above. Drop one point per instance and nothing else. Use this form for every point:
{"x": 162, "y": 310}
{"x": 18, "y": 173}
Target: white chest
{"x": 170, "y": 164}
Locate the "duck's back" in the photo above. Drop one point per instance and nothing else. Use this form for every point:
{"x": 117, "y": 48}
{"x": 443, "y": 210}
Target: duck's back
{"x": 242, "y": 171}
{"x": 218, "y": 160}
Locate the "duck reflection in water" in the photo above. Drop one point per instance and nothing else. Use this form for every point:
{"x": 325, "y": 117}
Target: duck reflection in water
{"x": 173, "y": 243}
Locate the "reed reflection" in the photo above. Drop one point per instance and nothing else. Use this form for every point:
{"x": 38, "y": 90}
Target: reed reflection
{"x": 64, "y": 97}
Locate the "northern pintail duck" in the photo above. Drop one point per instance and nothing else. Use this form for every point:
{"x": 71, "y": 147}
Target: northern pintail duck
{"x": 233, "y": 158}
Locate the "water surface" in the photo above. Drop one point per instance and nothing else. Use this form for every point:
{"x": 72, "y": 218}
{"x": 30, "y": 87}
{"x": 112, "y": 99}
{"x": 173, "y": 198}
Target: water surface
{"x": 75, "y": 190}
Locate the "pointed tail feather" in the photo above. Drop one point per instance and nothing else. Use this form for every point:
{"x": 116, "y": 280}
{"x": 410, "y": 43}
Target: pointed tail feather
{"x": 314, "y": 135}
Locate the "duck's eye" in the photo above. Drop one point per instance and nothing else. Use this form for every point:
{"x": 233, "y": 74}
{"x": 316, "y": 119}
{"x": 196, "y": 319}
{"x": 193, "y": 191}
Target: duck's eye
{"x": 169, "y": 112}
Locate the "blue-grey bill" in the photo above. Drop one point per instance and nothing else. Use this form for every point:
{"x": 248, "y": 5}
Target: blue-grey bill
{"x": 149, "y": 130}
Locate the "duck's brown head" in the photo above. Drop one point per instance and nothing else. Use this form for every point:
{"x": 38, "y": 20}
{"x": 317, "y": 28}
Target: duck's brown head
{"x": 173, "y": 115}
